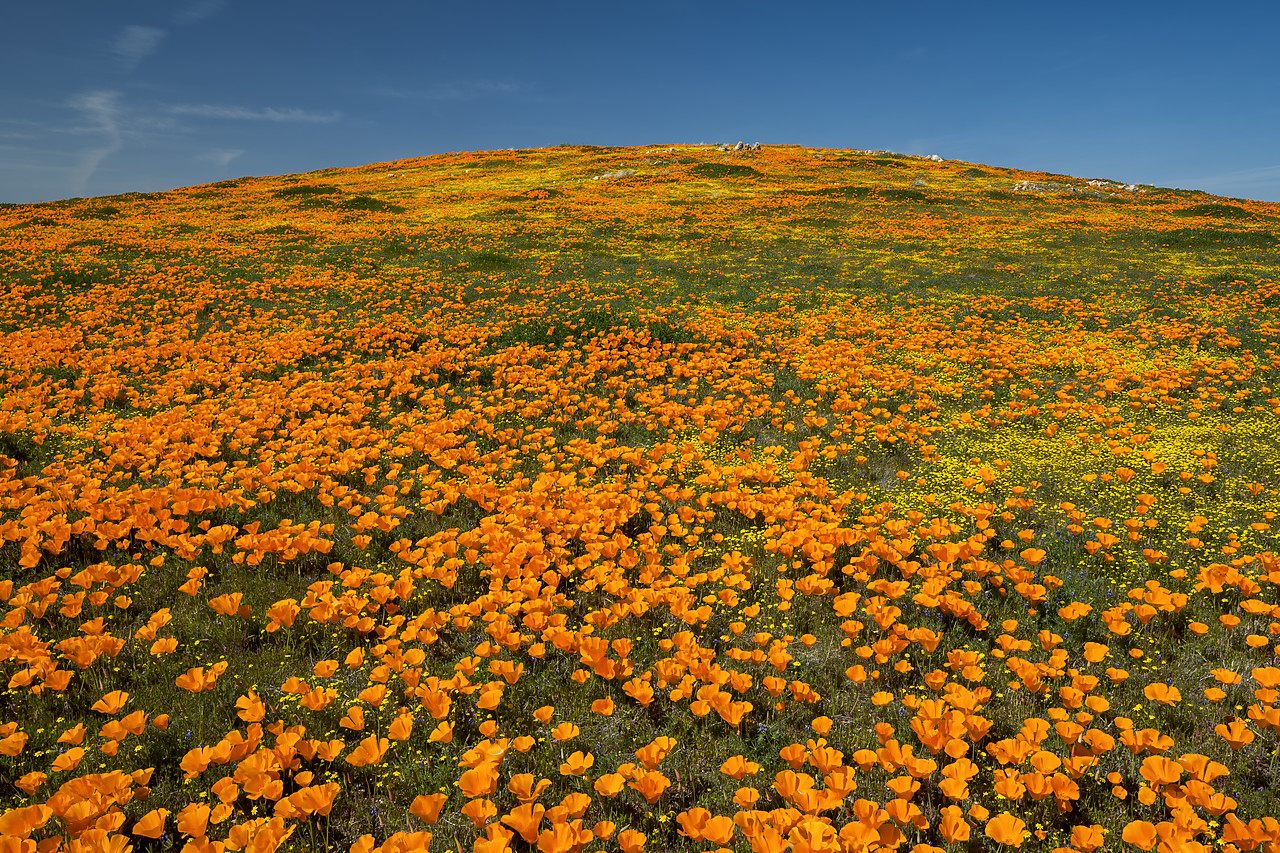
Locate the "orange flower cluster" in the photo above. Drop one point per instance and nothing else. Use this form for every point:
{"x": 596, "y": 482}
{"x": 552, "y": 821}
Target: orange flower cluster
{"x": 770, "y": 501}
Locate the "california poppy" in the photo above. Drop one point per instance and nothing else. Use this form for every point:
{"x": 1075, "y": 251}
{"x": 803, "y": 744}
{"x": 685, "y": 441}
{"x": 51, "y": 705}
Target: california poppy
{"x": 1004, "y": 828}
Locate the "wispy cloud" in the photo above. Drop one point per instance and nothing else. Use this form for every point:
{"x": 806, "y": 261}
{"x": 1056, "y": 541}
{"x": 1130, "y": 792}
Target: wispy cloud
{"x": 1241, "y": 176}
{"x": 1247, "y": 183}
{"x": 246, "y": 114}
{"x": 199, "y": 10}
{"x": 135, "y": 43}
{"x": 101, "y": 109}
{"x": 222, "y": 156}
{"x": 466, "y": 91}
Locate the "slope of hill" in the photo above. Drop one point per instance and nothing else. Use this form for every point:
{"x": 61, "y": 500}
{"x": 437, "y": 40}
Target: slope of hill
{"x": 587, "y": 498}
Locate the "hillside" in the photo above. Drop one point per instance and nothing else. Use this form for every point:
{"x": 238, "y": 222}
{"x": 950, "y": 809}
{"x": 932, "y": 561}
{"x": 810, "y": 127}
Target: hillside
{"x": 759, "y": 499}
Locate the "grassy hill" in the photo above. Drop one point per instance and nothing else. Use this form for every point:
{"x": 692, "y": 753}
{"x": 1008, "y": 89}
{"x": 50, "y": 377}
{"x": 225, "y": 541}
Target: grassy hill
{"x": 647, "y": 498}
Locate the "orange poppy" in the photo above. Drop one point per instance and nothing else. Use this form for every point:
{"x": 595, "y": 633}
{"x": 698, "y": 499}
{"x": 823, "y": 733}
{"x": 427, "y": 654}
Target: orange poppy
{"x": 1004, "y": 828}
{"x": 565, "y": 731}
{"x": 526, "y": 819}
{"x": 480, "y": 811}
{"x": 68, "y": 760}
{"x": 631, "y": 841}
{"x": 31, "y": 782}
{"x": 426, "y": 807}
{"x": 651, "y": 784}
{"x": 112, "y": 703}
{"x": 577, "y": 764}
{"x": 193, "y": 820}
{"x": 953, "y": 826}
{"x": 151, "y": 825}
{"x": 1140, "y": 833}
{"x": 609, "y": 784}
{"x": 1236, "y": 733}
{"x": 373, "y": 695}
{"x": 1088, "y": 838}
{"x": 353, "y": 719}
{"x": 251, "y": 708}
{"x": 1165, "y": 694}
{"x": 369, "y": 751}
{"x": 525, "y": 788}
{"x": 479, "y": 781}
{"x": 1159, "y": 770}
{"x": 652, "y": 754}
{"x": 21, "y": 822}
{"x": 737, "y": 767}
{"x": 692, "y": 821}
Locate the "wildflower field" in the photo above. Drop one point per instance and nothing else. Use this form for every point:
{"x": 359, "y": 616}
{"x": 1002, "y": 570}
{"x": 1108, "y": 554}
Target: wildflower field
{"x": 665, "y": 498}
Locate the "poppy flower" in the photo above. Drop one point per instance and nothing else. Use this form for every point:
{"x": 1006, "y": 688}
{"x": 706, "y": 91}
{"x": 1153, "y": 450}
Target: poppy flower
{"x": 353, "y": 719}
{"x": 631, "y": 841}
{"x": 794, "y": 754}
{"x": 1004, "y": 828}
{"x": 369, "y": 751}
{"x": 112, "y": 703}
{"x": 480, "y": 811}
{"x": 151, "y": 825}
{"x": 68, "y": 760}
{"x": 692, "y": 821}
{"x": 652, "y": 754}
{"x": 479, "y": 781}
{"x": 525, "y": 788}
{"x": 565, "y": 731}
{"x": 250, "y": 708}
{"x": 1088, "y": 838}
{"x": 1236, "y": 733}
{"x": 577, "y": 764}
{"x": 1159, "y": 770}
{"x": 226, "y": 605}
{"x": 1267, "y": 676}
{"x": 1201, "y": 767}
{"x": 401, "y": 727}
{"x": 226, "y": 790}
{"x": 12, "y": 745}
{"x": 328, "y": 750}
{"x": 282, "y": 615}
{"x": 651, "y": 784}
{"x": 1163, "y": 693}
{"x": 31, "y": 782}
{"x": 526, "y": 819}
{"x": 193, "y": 820}
{"x": 609, "y": 785}
{"x": 373, "y": 695}
{"x": 21, "y": 822}
{"x": 197, "y": 679}
{"x": 953, "y": 826}
{"x": 1140, "y": 833}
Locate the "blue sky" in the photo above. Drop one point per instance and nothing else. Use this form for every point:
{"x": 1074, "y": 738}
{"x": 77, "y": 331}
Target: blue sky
{"x": 142, "y": 95}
